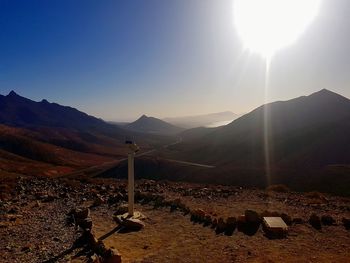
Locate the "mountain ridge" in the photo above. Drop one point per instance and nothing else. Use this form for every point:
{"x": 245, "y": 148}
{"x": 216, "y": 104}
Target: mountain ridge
{"x": 153, "y": 125}
{"x": 20, "y": 111}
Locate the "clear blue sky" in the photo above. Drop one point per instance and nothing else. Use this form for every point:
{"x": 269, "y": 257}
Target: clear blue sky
{"x": 119, "y": 59}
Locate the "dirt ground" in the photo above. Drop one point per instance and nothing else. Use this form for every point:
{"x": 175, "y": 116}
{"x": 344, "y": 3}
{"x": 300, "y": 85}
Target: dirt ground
{"x": 172, "y": 237}
{"x": 33, "y": 224}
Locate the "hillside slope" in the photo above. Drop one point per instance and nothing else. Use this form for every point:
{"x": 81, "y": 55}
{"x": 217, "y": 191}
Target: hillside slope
{"x": 304, "y": 136}
{"x": 153, "y": 125}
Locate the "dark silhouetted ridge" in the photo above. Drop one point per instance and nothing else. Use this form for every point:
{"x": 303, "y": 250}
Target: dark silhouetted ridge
{"x": 147, "y": 124}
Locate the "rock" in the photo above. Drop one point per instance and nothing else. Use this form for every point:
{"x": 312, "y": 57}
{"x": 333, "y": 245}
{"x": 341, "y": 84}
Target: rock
{"x": 112, "y": 256}
{"x": 297, "y": 220}
{"x": 85, "y": 223}
{"x": 287, "y": 219}
{"x": 89, "y": 238}
{"x": 214, "y": 223}
{"x": 252, "y": 217}
{"x": 81, "y": 213}
{"x": 207, "y": 220}
{"x": 275, "y": 227}
{"x": 198, "y": 215}
{"x": 133, "y": 224}
{"x": 231, "y": 224}
{"x": 122, "y": 209}
{"x": 186, "y": 210}
{"x": 327, "y": 220}
{"x": 249, "y": 223}
{"x": 315, "y": 221}
{"x": 346, "y": 223}
{"x": 95, "y": 259}
{"x": 221, "y": 226}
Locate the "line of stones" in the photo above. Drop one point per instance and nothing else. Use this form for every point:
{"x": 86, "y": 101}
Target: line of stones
{"x": 248, "y": 223}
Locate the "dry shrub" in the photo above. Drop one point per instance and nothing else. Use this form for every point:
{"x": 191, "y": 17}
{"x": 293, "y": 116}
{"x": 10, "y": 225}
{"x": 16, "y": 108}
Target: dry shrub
{"x": 279, "y": 188}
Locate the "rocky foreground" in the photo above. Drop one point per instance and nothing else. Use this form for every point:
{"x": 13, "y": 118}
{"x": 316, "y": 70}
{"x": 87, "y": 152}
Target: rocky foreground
{"x": 67, "y": 220}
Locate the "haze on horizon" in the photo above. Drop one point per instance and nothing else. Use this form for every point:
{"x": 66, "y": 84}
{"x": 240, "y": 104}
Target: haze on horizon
{"x": 120, "y": 59}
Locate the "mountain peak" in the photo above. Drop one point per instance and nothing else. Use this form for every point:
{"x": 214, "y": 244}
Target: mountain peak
{"x": 326, "y": 93}
{"x": 144, "y": 116}
{"x": 149, "y": 124}
{"x": 12, "y": 94}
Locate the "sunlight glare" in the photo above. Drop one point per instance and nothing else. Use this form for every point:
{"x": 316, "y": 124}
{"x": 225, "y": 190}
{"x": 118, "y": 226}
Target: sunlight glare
{"x": 266, "y": 26}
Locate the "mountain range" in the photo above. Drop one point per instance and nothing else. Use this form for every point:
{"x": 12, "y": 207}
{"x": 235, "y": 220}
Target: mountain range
{"x": 16, "y": 110}
{"x": 43, "y": 138}
{"x": 303, "y": 142}
{"x": 302, "y": 136}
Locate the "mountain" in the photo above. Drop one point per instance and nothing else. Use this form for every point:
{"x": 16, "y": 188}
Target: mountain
{"x": 304, "y": 136}
{"x": 16, "y": 110}
{"x": 206, "y": 120}
{"x": 42, "y": 138}
{"x": 152, "y": 125}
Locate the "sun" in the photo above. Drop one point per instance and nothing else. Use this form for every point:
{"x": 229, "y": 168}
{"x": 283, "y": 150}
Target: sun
{"x": 266, "y": 26}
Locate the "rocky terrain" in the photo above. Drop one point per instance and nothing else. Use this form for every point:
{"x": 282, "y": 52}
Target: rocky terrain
{"x": 71, "y": 220}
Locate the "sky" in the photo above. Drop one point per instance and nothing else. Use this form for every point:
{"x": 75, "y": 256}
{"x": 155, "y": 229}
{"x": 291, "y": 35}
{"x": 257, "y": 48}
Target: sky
{"x": 118, "y": 59}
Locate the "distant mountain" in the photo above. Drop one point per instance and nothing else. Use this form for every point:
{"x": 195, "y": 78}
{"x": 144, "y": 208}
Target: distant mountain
{"x": 19, "y": 111}
{"x": 152, "y": 125}
{"x": 206, "y": 120}
{"x": 304, "y": 135}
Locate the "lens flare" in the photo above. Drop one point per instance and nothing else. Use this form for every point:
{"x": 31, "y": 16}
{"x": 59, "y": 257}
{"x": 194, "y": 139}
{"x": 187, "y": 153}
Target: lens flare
{"x": 266, "y": 26}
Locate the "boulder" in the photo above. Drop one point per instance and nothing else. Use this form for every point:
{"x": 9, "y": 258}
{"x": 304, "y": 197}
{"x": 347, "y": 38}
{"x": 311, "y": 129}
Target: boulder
{"x": 250, "y": 223}
{"x": 221, "y": 226}
{"x": 327, "y": 220}
{"x": 81, "y": 213}
{"x": 198, "y": 215}
{"x": 207, "y": 220}
{"x": 85, "y": 223}
{"x": 275, "y": 227}
{"x": 112, "y": 256}
{"x": 214, "y": 223}
{"x": 346, "y": 223}
{"x": 252, "y": 217}
{"x": 315, "y": 221}
{"x": 95, "y": 259}
{"x": 231, "y": 224}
